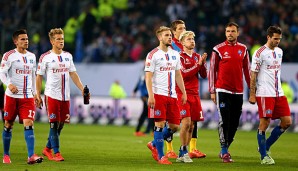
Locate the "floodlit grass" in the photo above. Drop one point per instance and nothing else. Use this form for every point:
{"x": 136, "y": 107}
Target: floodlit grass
{"x": 100, "y": 148}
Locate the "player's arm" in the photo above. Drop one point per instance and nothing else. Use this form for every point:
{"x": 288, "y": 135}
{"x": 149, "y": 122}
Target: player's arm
{"x": 38, "y": 99}
{"x": 203, "y": 65}
{"x": 77, "y": 81}
{"x": 213, "y": 74}
{"x": 252, "y": 93}
{"x": 151, "y": 100}
{"x": 34, "y": 79}
{"x": 5, "y": 66}
{"x": 180, "y": 83}
{"x": 246, "y": 69}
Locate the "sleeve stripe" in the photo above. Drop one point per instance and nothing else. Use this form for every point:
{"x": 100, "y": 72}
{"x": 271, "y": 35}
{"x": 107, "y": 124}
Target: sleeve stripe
{"x": 8, "y": 54}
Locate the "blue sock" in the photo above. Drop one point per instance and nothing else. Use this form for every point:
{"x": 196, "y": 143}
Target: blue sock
{"x": 182, "y": 151}
{"x": 224, "y": 148}
{"x": 167, "y": 134}
{"x": 262, "y": 143}
{"x": 159, "y": 142}
{"x": 54, "y": 137}
{"x": 6, "y": 137}
{"x": 153, "y": 143}
{"x": 29, "y": 138}
{"x": 49, "y": 143}
{"x": 275, "y": 134}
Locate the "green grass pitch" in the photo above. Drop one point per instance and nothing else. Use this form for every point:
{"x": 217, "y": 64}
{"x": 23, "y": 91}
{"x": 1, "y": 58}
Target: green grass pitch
{"x": 114, "y": 148}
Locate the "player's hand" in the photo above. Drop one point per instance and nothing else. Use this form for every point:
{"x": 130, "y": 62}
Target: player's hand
{"x": 38, "y": 101}
{"x": 252, "y": 99}
{"x": 151, "y": 102}
{"x": 89, "y": 95}
{"x": 184, "y": 98}
{"x": 13, "y": 88}
{"x": 203, "y": 59}
{"x": 213, "y": 97}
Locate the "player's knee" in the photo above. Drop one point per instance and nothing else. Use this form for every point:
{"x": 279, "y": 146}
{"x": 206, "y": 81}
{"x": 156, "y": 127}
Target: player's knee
{"x": 285, "y": 123}
{"x": 8, "y": 124}
{"x": 60, "y": 125}
{"x": 174, "y": 128}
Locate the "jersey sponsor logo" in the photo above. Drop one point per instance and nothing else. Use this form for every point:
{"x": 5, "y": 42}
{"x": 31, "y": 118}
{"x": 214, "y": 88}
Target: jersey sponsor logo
{"x": 60, "y": 70}
{"x": 168, "y": 67}
{"x": 157, "y": 113}
{"x": 183, "y": 112}
{"x": 275, "y": 65}
{"x": 52, "y": 116}
{"x": 23, "y": 71}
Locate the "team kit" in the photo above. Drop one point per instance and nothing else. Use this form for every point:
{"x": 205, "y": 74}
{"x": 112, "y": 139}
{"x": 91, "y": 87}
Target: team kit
{"x": 172, "y": 72}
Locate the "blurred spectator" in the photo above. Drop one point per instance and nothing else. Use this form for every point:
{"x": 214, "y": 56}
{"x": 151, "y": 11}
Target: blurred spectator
{"x": 117, "y": 91}
{"x": 289, "y": 93}
{"x": 128, "y": 24}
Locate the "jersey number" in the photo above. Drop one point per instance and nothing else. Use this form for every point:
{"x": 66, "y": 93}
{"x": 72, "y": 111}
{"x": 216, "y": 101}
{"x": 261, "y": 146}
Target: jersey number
{"x": 31, "y": 114}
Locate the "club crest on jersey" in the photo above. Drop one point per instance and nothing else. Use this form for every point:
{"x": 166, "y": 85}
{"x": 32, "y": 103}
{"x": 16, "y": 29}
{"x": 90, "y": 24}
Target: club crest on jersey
{"x": 31, "y": 61}
{"x": 222, "y": 104}
{"x": 269, "y": 112}
{"x": 5, "y": 114}
{"x": 174, "y": 57}
{"x": 157, "y": 113}
{"x": 53, "y": 61}
{"x": 52, "y": 116}
{"x": 18, "y": 60}
{"x": 239, "y": 52}
{"x": 183, "y": 112}
{"x": 196, "y": 59}
{"x": 66, "y": 59}
{"x": 279, "y": 55}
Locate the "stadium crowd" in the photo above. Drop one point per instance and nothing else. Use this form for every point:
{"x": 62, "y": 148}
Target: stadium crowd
{"x": 123, "y": 30}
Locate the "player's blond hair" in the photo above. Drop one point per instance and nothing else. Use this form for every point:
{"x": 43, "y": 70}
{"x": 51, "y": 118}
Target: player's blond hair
{"x": 161, "y": 29}
{"x": 55, "y": 31}
{"x": 185, "y": 34}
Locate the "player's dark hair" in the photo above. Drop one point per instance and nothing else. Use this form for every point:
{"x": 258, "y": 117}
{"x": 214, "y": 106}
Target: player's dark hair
{"x": 17, "y": 33}
{"x": 175, "y": 23}
{"x": 273, "y": 29}
{"x": 232, "y": 24}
